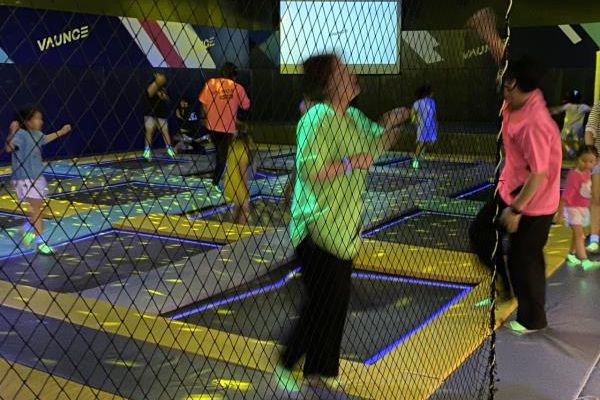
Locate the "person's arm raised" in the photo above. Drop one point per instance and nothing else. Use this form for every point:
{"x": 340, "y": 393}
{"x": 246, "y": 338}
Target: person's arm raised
{"x": 65, "y": 130}
{"x": 483, "y": 22}
{"x": 12, "y": 130}
{"x": 153, "y": 89}
{"x": 390, "y": 121}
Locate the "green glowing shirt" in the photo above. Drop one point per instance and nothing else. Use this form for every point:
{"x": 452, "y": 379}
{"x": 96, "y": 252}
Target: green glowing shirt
{"x": 330, "y": 211}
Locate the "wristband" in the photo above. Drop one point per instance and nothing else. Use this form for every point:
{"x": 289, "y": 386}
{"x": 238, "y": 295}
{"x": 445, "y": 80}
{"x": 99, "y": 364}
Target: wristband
{"x": 515, "y": 211}
{"x": 347, "y": 166}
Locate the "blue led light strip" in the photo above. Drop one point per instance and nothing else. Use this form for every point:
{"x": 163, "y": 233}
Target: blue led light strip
{"x": 266, "y": 197}
{"x": 103, "y": 233}
{"x": 61, "y": 244}
{"x": 416, "y": 281}
{"x": 253, "y": 292}
{"x": 175, "y": 239}
{"x": 263, "y": 175}
{"x": 164, "y": 185}
{"x": 13, "y": 215}
{"x": 372, "y": 231}
{"x": 93, "y": 189}
{"x": 227, "y": 207}
{"x": 475, "y": 190}
{"x": 47, "y": 174}
{"x": 211, "y": 212}
{"x": 376, "y": 357}
{"x": 465, "y": 289}
{"x": 140, "y": 159}
{"x": 117, "y": 185}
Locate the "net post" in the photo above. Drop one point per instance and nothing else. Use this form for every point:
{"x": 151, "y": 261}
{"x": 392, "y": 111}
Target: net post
{"x": 503, "y": 68}
{"x": 597, "y": 80}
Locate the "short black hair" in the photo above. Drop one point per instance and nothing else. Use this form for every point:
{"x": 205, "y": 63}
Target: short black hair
{"x": 317, "y": 74}
{"x": 26, "y": 114}
{"x": 229, "y": 70}
{"x": 423, "y": 91}
{"x": 587, "y": 149}
{"x": 527, "y": 73}
{"x": 574, "y": 97}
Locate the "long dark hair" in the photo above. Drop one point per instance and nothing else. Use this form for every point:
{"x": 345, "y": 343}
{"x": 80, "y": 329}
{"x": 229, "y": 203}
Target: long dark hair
{"x": 26, "y": 114}
{"x": 317, "y": 73}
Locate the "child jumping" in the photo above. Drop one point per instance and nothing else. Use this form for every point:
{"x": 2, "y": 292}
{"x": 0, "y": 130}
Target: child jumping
{"x": 25, "y": 141}
{"x": 573, "y": 127}
{"x": 575, "y": 205}
{"x": 424, "y": 109}
{"x": 238, "y": 174}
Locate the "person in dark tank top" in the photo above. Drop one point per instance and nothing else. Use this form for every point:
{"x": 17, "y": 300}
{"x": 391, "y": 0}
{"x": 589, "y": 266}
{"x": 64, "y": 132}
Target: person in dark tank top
{"x": 156, "y": 113}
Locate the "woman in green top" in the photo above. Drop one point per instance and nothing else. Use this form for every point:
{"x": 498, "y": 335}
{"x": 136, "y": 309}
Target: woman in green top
{"x": 336, "y": 145}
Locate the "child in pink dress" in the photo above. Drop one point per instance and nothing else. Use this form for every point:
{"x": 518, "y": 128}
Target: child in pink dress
{"x": 576, "y": 202}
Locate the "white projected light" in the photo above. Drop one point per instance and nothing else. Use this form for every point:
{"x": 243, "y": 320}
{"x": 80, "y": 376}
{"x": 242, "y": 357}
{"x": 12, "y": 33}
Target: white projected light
{"x": 364, "y": 33}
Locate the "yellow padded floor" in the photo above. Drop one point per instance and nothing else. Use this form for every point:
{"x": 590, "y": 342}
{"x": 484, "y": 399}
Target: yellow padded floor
{"x": 43, "y": 386}
{"x": 420, "y": 262}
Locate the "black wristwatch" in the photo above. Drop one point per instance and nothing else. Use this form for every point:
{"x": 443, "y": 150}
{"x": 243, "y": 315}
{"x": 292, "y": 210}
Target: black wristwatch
{"x": 514, "y": 210}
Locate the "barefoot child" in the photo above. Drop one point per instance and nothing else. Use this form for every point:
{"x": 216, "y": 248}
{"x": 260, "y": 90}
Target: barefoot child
{"x": 576, "y": 202}
{"x": 25, "y": 142}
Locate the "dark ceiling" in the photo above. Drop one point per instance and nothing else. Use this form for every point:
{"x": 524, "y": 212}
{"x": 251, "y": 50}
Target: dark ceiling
{"x": 260, "y": 14}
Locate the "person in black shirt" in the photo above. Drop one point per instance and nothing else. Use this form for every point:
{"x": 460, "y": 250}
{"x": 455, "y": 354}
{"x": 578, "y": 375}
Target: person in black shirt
{"x": 188, "y": 121}
{"x": 156, "y": 113}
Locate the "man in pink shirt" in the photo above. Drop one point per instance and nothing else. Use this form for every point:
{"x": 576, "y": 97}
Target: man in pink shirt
{"x": 529, "y": 194}
{"x": 221, "y": 99}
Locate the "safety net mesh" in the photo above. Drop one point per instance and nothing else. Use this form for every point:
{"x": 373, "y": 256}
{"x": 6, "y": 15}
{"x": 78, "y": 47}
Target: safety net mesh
{"x": 256, "y": 199}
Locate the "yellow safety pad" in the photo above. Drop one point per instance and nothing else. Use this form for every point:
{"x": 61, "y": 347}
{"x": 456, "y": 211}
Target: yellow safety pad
{"x": 23, "y": 383}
